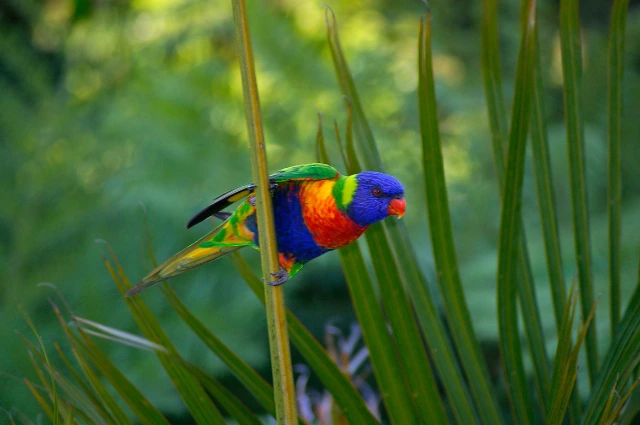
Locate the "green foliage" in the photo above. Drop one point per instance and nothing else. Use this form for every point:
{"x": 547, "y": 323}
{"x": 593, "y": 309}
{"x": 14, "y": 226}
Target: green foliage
{"x": 428, "y": 346}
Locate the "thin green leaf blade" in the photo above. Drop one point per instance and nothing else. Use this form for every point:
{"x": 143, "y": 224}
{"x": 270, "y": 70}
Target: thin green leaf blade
{"x": 412, "y": 356}
{"x": 371, "y": 161}
{"x": 238, "y": 410}
{"x": 614, "y": 194}
{"x": 565, "y": 369}
{"x": 492, "y": 78}
{"x": 619, "y": 361}
{"x": 141, "y": 407}
{"x": 507, "y": 285}
{"x": 572, "y": 89}
{"x": 411, "y": 351}
{"x": 54, "y": 413}
{"x": 191, "y": 391}
{"x": 545, "y": 194}
{"x": 82, "y": 398}
{"x": 439, "y": 345}
{"x": 497, "y": 120}
{"x": 257, "y": 386}
{"x": 370, "y": 155}
{"x": 374, "y": 330}
{"x": 41, "y": 401}
{"x": 444, "y": 246}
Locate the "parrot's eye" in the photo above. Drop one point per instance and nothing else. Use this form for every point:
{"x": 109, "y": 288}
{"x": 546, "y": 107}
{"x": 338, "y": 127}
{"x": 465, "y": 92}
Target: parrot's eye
{"x": 377, "y": 192}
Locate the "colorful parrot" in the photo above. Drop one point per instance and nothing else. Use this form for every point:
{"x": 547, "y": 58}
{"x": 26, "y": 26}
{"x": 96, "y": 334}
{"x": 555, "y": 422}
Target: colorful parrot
{"x": 315, "y": 210}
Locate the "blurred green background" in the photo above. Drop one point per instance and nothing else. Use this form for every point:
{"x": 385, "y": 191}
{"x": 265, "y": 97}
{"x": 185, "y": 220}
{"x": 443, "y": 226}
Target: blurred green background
{"x": 112, "y": 108}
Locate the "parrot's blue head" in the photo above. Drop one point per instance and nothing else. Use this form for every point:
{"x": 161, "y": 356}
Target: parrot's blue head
{"x": 376, "y": 196}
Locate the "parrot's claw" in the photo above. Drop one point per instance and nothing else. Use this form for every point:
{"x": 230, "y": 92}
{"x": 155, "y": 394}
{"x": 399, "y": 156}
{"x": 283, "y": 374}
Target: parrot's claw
{"x": 281, "y": 277}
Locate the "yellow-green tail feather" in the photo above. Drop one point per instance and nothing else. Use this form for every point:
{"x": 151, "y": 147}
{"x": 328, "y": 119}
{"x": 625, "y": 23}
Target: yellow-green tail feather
{"x": 189, "y": 258}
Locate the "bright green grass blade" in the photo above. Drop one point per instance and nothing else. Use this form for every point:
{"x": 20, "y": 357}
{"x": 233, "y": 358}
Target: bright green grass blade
{"x": 546, "y": 206}
{"x": 565, "y": 368}
{"x": 445, "y": 360}
{"x": 371, "y": 157}
{"x": 238, "y": 410}
{"x": 497, "y": 120}
{"x": 46, "y": 387}
{"x": 439, "y": 345}
{"x": 510, "y": 227}
{"x": 616, "y": 68}
{"x": 33, "y": 328}
{"x": 492, "y": 78}
{"x": 81, "y": 397}
{"x": 545, "y": 194}
{"x": 339, "y": 141}
{"x": 98, "y": 393}
{"x": 63, "y": 407}
{"x": 189, "y": 388}
{"x": 621, "y": 357}
{"x": 104, "y": 398}
{"x": 257, "y": 386}
{"x": 412, "y": 356}
{"x": 321, "y": 148}
{"x": 376, "y": 336}
{"x": 531, "y": 318}
{"x": 572, "y": 73}
{"x": 69, "y": 420}
{"x": 81, "y": 405}
{"x": 352, "y": 162}
{"x": 631, "y": 407}
{"x": 613, "y": 417}
{"x": 411, "y": 350}
{"x": 443, "y": 243}
{"x": 41, "y": 401}
{"x": 79, "y": 381}
{"x": 561, "y": 360}
{"x": 316, "y": 357}
{"x": 141, "y": 407}
{"x": 608, "y": 408}
{"x": 632, "y": 410}
{"x": 371, "y": 321}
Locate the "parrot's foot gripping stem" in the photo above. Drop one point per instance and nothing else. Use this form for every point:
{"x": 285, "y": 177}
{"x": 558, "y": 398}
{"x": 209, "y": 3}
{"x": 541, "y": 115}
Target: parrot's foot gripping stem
{"x": 281, "y": 277}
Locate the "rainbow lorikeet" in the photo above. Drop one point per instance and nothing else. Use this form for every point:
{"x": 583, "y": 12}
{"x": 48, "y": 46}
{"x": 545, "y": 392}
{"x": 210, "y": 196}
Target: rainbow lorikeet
{"x": 315, "y": 210}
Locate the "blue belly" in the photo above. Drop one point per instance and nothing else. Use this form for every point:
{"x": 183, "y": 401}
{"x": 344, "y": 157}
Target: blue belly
{"x": 293, "y": 236}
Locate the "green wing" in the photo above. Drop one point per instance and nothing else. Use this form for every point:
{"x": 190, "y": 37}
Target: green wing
{"x": 305, "y": 172}
{"x": 296, "y": 172}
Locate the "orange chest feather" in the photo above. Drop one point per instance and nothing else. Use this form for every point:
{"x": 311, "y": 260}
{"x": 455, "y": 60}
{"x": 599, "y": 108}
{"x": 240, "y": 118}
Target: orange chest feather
{"x": 330, "y": 227}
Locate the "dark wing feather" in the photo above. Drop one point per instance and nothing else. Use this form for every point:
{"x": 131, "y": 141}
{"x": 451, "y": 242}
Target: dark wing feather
{"x": 297, "y": 172}
{"x": 220, "y": 203}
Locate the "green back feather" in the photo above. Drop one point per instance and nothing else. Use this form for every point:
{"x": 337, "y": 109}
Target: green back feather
{"x": 305, "y": 172}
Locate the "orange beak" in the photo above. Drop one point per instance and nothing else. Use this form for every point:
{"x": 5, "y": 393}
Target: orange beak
{"x": 397, "y": 207}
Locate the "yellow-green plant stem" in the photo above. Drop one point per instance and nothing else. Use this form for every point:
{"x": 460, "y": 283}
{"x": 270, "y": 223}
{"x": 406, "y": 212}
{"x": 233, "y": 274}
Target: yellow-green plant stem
{"x": 614, "y": 105}
{"x": 284, "y": 392}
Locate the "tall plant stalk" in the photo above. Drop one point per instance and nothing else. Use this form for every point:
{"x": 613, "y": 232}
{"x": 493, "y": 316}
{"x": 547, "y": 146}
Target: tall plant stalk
{"x": 572, "y": 73}
{"x": 284, "y": 392}
{"x": 614, "y": 104}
